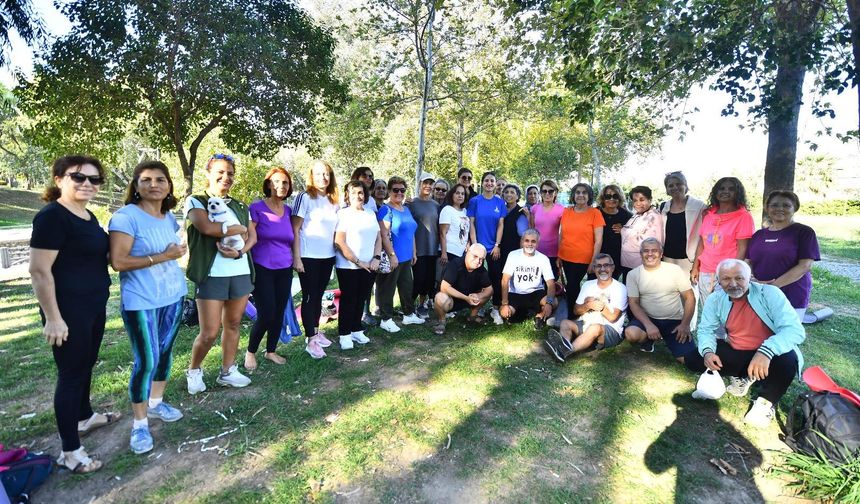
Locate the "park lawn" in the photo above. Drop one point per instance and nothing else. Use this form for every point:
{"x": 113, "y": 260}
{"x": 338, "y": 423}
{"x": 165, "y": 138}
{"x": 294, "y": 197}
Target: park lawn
{"x": 480, "y": 414}
{"x": 17, "y": 207}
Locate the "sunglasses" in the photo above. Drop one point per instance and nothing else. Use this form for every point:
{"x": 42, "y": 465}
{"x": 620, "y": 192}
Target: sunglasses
{"x": 466, "y": 177}
{"x": 399, "y": 190}
{"x": 547, "y": 191}
{"x": 611, "y": 197}
{"x": 225, "y": 157}
{"x": 440, "y": 189}
{"x": 80, "y": 178}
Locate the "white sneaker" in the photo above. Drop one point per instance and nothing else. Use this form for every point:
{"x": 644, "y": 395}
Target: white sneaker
{"x": 233, "y": 378}
{"x": 761, "y": 413}
{"x": 389, "y": 325}
{"x": 194, "y": 377}
{"x": 412, "y": 319}
{"x": 497, "y": 318}
{"x": 346, "y": 343}
{"x": 739, "y": 387}
{"x": 360, "y": 338}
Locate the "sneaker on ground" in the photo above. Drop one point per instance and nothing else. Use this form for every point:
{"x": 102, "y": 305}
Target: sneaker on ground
{"x": 422, "y": 311}
{"x": 761, "y": 413}
{"x": 647, "y": 346}
{"x": 322, "y": 340}
{"x": 566, "y": 345}
{"x": 314, "y": 349}
{"x": 450, "y": 315}
{"x": 346, "y": 343}
{"x": 497, "y": 318}
{"x": 233, "y": 378}
{"x": 552, "y": 322}
{"x": 194, "y": 377}
{"x": 368, "y": 320}
{"x": 164, "y": 412}
{"x": 360, "y": 338}
{"x": 389, "y": 325}
{"x": 553, "y": 350}
{"x": 739, "y": 387}
{"x": 561, "y": 348}
{"x": 540, "y": 323}
{"x": 141, "y": 440}
{"x": 412, "y": 319}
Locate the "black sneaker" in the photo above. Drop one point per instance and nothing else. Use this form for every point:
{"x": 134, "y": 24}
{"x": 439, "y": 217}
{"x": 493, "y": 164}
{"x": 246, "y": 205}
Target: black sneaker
{"x": 647, "y": 346}
{"x": 556, "y": 345}
{"x": 369, "y": 321}
{"x": 540, "y": 323}
{"x": 552, "y": 350}
{"x": 422, "y": 311}
{"x": 556, "y": 337}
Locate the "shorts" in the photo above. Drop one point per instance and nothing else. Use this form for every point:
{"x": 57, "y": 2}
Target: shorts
{"x": 611, "y": 337}
{"x": 524, "y": 303}
{"x": 225, "y": 288}
{"x": 666, "y": 326}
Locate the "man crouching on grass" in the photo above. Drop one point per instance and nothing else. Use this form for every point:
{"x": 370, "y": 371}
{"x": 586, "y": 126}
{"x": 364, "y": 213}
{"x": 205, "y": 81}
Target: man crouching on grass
{"x": 523, "y": 277}
{"x": 466, "y": 284}
{"x": 763, "y": 332}
{"x": 600, "y": 307}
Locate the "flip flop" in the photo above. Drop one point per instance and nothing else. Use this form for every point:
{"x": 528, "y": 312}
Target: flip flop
{"x": 110, "y": 418}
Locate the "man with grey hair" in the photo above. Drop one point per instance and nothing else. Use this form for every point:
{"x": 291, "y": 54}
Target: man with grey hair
{"x": 528, "y": 283}
{"x": 661, "y": 301}
{"x": 763, "y": 334}
{"x": 466, "y": 284}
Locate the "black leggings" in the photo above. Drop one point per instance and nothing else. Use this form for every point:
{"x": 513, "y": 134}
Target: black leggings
{"x": 272, "y": 290}
{"x": 494, "y": 268}
{"x": 424, "y": 276}
{"x": 354, "y": 286}
{"x": 75, "y": 359}
{"x": 782, "y": 370}
{"x": 573, "y": 274}
{"x": 314, "y": 281}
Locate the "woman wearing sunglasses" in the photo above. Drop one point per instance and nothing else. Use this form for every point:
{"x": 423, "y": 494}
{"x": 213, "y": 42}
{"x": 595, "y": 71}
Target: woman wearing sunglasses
{"x": 546, "y": 218}
{"x": 611, "y": 204}
{"x": 682, "y": 216}
{"x": 144, "y": 248}
{"x": 224, "y": 275}
{"x": 68, "y": 267}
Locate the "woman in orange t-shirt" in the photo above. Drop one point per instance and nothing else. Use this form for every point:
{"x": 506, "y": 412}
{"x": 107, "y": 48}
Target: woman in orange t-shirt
{"x": 581, "y": 236}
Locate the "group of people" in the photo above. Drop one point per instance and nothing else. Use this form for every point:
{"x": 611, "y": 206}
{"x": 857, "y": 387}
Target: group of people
{"x": 432, "y": 249}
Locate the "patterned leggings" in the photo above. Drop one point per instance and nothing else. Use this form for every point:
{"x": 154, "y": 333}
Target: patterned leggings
{"x": 152, "y": 333}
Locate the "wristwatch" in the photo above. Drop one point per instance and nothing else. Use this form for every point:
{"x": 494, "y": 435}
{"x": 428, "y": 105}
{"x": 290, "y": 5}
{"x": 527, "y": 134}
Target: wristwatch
{"x": 239, "y": 256}
{"x": 378, "y": 257}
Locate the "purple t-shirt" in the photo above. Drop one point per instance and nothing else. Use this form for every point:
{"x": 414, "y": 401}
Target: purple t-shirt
{"x": 274, "y": 247}
{"x": 772, "y": 253}
{"x": 547, "y": 223}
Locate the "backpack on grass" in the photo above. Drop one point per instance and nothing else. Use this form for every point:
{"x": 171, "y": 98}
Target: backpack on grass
{"x": 824, "y": 422}
{"x": 21, "y": 472}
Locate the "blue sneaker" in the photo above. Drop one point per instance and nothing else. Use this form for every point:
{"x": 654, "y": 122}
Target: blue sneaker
{"x": 164, "y": 412}
{"x": 141, "y": 440}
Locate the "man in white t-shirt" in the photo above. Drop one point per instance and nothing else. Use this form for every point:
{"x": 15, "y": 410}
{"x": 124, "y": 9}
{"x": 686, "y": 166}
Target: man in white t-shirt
{"x": 525, "y": 273}
{"x": 600, "y": 308}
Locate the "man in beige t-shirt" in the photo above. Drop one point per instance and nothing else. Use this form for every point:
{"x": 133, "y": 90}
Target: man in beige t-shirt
{"x": 661, "y": 301}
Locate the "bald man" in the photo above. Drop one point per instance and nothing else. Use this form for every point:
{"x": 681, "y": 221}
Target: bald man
{"x": 466, "y": 284}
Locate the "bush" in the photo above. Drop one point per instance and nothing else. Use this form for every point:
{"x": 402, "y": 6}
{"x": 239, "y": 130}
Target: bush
{"x": 831, "y": 207}
{"x": 818, "y": 478}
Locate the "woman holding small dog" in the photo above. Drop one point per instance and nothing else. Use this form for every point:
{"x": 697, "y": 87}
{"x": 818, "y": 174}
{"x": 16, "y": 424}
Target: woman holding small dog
{"x": 224, "y": 274}
{"x": 144, "y": 248}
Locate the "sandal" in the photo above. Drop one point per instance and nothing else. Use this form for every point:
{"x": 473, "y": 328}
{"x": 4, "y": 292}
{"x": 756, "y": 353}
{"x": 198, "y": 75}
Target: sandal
{"x": 439, "y": 330}
{"x": 79, "y": 462}
{"x": 94, "y": 422}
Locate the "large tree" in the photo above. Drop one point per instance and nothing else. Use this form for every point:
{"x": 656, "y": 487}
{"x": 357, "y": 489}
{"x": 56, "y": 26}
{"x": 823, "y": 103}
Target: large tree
{"x": 18, "y": 16}
{"x": 758, "y": 51}
{"x": 175, "y": 70}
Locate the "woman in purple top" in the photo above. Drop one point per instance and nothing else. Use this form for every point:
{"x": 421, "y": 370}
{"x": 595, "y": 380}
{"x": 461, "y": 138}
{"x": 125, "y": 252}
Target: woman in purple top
{"x": 273, "y": 263}
{"x": 546, "y": 218}
{"x": 782, "y": 253}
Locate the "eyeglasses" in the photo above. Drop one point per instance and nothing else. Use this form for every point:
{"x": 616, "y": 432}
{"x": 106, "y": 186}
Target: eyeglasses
{"x": 610, "y": 196}
{"x": 80, "y": 178}
{"x": 225, "y": 157}
{"x": 398, "y": 190}
{"x": 440, "y": 189}
{"x": 466, "y": 177}
{"x": 603, "y": 266}
{"x": 547, "y": 191}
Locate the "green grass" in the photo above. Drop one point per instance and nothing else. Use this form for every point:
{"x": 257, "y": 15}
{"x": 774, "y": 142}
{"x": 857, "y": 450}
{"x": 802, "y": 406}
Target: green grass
{"x": 480, "y": 414}
{"x": 18, "y": 207}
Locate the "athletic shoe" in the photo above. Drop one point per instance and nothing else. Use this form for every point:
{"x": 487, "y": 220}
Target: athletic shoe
{"x": 322, "y": 340}
{"x": 552, "y": 350}
{"x": 450, "y": 315}
{"x": 647, "y": 346}
{"x": 360, "y": 338}
{"x": 422, "y": 311}
{"x": 164, "y": 412}
{"x": 761, "y": 413}
{"x": 141, "y": 440}
{"x": 739, "y": 387}
{"x": 194, "y": 377}
{"x": 412, "y": 319}
{"x": 552, "y": 322}
{"x": 497, "y": 318}
{"x": 233, "y": 378}
{"x": 558, "y": 343}
{"x": 346, "y": 343}
{"x": 389, "y": 325}
{"x": 368, "y": 320}
{"x": 540, "y": 323}
{"x": 314, "y": 349}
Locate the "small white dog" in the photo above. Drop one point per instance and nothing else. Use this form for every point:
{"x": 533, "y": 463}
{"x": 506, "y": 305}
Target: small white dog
{"x": 220, "y": 212}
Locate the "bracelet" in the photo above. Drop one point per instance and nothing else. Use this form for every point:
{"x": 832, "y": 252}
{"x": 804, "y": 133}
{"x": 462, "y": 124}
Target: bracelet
{"x": 239, "y": 256}
{"x": 151, "y": 262}
{"x": 378, "y": 257}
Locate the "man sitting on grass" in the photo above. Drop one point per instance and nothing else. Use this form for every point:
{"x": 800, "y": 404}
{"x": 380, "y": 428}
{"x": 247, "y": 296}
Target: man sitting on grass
{"x": 662, "y": 302}
{"x": 600, "y": 307}
{"x": 763, "y": 332}
{"x": 523, "y": 279}
{"x": 466, "y": 284}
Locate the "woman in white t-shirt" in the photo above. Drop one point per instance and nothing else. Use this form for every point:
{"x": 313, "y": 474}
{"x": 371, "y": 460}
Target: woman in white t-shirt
{"x": 454, "y": 224}
{"x": 358, "y": 252}
{"x": 314, "y": 219}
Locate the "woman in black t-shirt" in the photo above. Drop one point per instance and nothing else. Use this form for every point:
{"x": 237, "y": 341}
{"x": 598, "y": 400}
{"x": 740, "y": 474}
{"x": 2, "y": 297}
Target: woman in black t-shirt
{"x": 611, "y": 204}
{"x": 68, "y": 266}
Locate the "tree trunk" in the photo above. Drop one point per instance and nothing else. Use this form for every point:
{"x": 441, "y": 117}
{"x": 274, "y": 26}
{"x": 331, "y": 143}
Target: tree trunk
{"x": 854, "y": 20}
{"x": 459, "y": 144}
